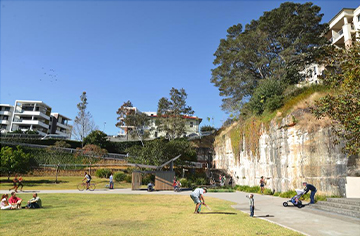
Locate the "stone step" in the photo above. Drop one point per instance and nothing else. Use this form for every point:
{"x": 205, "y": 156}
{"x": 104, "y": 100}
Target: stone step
{"x": 348, "y": 201}
{"x": 339, "y": 205}
{"x": 352, "y": 213}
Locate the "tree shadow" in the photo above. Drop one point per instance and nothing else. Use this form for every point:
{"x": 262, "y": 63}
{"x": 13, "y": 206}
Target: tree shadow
{"x": 264, "y": 216}
{"x": 35, "y": 182}
{"x": 219, "y": 213}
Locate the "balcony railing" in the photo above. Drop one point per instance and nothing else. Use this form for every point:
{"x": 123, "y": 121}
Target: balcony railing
{"x": 337, "y": 36}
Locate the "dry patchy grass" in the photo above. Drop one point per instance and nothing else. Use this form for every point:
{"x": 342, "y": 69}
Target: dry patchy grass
{"x": 111, "y": 214}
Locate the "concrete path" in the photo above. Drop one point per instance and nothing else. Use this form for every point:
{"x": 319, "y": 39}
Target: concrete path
{"x": 307, "y": 220}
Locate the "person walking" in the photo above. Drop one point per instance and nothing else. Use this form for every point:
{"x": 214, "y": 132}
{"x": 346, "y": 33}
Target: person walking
{"x": 262, "y": 184}
{"x": 252, "y": 204}
{"x": 111, "y": 179}
{"x": 310, "y": 187}
{"x": 15, "y": 186}
{"x": 20, "y": 180}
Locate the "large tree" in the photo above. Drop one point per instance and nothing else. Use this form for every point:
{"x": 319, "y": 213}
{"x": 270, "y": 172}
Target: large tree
{"x": 342, "y": 74}
{"x": 276, "y": 46}
{"x": 14, "y": 161}
{"x": 137, "y": 123}
{"x": 98, "y": 138}
{"x": 171, "y": 113}
{"x": 83, "y": 123}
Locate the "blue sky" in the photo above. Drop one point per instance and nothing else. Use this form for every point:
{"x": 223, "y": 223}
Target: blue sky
{"x": 120, "y": 50}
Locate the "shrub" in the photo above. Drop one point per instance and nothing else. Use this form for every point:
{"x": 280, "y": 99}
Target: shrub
{"x": 119, "y": 176}
{"x": 185, "y": 183}
{"x": 103, "y": 173}
{"x": 200, "y": 181}
{"x": 128, "y": 178}
{"x": 221, "y": 190}
{"x": 288, "y": 194}
{"x": 148, "y": 178}
{"x": 276, "y": 194}
{"x": 268, "y": 191}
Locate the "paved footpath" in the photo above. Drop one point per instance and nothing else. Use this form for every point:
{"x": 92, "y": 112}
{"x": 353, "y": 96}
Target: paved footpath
{"x": 307, "y": 220}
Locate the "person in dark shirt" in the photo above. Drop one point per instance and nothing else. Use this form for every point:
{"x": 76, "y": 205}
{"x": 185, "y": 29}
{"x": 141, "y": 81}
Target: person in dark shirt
{"x": 309, "y": 187}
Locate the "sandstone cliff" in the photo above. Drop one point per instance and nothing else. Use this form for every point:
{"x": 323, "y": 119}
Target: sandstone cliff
{"x": 287, "y": 152}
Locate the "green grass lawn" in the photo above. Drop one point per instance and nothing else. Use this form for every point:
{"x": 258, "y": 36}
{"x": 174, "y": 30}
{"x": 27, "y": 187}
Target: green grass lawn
{"x": 65, "y": 182}
{"x": 112, "y": 214}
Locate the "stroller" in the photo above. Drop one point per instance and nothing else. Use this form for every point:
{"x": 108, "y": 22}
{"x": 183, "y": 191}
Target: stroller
{"x": 299, "y": 193}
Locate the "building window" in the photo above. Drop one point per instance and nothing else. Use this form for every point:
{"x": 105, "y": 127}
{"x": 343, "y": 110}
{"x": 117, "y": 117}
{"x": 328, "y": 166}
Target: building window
{"x": 156, "y": 134}
{"x": 7, "y": 108}
{"x": 358, "y": 18}
{"x": 191, "y": 124}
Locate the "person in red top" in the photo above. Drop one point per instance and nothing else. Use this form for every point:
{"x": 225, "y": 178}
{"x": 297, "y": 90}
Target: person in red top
{"x": 15, "y": 181}
{"x": 15, "y": 201}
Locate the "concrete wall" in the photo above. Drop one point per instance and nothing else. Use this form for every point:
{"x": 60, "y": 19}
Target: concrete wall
{"x": 288, "y": 155}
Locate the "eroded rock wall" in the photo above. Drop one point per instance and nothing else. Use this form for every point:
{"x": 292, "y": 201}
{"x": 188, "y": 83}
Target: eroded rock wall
{"x": 288, "y": 155}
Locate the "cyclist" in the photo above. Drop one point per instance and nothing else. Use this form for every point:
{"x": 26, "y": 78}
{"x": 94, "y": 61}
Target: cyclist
{"x": 88, "y": 180}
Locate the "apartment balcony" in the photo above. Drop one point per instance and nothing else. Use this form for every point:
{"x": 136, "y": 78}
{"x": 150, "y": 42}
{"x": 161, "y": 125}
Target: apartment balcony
{"x": 21, "y": 122}
{"x": 6, "y": 113}
{"x": 62, "y": 134}
{"x": 63, "y": 126}
{"x": 31, "y": 113}
{"x": 4, "y": 122}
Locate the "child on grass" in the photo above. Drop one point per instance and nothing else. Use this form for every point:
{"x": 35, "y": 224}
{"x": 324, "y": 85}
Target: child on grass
{"x": 252, "y": 204}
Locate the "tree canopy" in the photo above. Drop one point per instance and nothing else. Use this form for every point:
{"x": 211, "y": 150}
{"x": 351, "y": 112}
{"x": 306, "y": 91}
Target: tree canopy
{"x": 14, "y": 161}
{"x": 171, "y": 113}
{"x": 137, "y": 123}
{"x": 343, "y": 107}
{"x": 158, "y": 151}
{"x": 276, "y": 46}
{"x": 98, "y": 138}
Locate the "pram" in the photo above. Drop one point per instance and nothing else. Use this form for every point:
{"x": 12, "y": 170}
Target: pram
{"x": 299, "y": 193}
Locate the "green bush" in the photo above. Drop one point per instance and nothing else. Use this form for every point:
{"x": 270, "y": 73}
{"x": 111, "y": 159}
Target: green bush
{"x": 221, "y": 190}
{"x": 268, "y": 191}
{"x": 267, "y": 95}
{"x": 119, "y": 176}
{"x": 276, "y": 194}
{"x": 103, "y": 173}
{"x": 288, "y": 194}
{"x": 128, "y": 178}
{"x": 147, "y": 178}
{"x": 200, "y": 181}
{"x": 185, "y": 183}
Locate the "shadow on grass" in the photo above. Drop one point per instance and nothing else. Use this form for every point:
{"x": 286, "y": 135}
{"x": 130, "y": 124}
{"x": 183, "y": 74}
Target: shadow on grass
{"x": 219, "y": 213}
{"x": 35, "y": 182}
{"x": 265, "y": 216}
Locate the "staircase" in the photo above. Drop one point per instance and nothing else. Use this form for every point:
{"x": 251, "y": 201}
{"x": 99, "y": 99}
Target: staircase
{"x": 342, "y": 206}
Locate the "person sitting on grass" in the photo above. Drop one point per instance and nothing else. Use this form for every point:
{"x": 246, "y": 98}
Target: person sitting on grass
{"x": 15, "y": 181}
{"x": 4, "y": 203}
{"x": 34, "y": 202}
{"x": 197, "y": 196}
{"x": 14, "y": 201}
{"x": 88, "y": 179}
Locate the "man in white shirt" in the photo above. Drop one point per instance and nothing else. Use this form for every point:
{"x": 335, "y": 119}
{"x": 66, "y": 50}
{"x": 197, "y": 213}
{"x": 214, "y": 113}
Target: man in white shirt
{"x": 197, "y": 196}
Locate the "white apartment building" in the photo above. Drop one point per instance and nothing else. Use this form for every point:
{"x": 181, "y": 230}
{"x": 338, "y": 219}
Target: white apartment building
{"x": 59, "y": 125}
{"x": 35, "y": 116}
{"x": 6, "y": 112}
{"x": 192, "y": 125}
{"x": 344, "y": 27}
{"x": 31, "y": 115}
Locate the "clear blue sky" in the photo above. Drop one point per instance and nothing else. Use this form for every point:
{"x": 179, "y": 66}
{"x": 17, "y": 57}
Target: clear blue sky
{"x": 120, "y": 50}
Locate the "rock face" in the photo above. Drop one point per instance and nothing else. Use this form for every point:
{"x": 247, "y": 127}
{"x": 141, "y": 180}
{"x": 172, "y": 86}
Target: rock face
{"x": 287, "y": 156}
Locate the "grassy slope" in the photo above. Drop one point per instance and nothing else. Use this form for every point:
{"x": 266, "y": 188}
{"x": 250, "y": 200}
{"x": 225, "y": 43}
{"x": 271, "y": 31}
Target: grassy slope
{"x": 74, "y": 214}
{"x": 48, "y": 182}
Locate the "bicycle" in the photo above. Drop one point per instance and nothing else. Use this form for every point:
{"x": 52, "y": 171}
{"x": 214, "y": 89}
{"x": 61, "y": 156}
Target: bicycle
{"x": 82, "y": 186}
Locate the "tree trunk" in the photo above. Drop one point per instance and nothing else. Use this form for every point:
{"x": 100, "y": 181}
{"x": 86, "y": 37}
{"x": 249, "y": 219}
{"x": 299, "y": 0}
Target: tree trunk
{"x": 57, "y": 170}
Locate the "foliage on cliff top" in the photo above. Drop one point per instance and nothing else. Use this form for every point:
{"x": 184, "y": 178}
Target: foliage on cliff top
{"x": 343, "y": 74}
{"x": 248, "y": 127}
